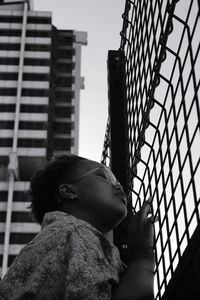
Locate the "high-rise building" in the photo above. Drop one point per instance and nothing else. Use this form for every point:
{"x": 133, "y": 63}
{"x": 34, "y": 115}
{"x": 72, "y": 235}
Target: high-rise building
{"x": 40, "y": 84}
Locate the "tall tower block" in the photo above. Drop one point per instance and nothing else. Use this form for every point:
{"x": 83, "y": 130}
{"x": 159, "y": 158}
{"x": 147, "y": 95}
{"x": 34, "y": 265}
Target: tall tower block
{"x": 40, "y": 86}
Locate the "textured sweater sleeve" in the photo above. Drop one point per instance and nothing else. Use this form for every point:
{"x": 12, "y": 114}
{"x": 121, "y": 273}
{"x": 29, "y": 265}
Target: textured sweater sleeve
{"x": 94, "y": 267}
{"x": 39, "y": 269}
{"x": 65, "y": 261}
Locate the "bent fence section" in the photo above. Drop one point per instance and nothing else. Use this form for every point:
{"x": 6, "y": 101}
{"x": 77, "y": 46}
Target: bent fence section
{"x": 158, "y": 67}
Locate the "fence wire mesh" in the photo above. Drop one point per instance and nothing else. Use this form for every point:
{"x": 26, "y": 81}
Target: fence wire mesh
{"x": 160, "y": 40}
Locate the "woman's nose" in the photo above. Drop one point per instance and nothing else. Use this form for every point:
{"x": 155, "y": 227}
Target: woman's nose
{"x": 118, "y": 186}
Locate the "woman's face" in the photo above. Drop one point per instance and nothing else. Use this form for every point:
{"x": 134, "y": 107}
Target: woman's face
{"x": 99, "y": 195}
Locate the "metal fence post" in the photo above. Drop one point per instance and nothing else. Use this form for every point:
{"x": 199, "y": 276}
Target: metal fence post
{"x": 118, "y": 141}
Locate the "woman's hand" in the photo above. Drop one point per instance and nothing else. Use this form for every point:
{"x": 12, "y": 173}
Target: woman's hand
{"x": 137, "y": 281}
{"x": 141, "y": 234}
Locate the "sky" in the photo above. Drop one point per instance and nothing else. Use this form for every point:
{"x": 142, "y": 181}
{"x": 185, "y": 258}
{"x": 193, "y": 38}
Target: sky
{"x": 103, "y": 22}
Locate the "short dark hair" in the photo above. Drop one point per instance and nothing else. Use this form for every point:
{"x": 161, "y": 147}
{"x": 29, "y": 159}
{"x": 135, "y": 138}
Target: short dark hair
{"x": 44, "y": 184}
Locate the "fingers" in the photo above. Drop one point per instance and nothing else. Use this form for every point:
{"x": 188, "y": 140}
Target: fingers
{"x": 153, "y": 219}
{"x": 146, "y": 209}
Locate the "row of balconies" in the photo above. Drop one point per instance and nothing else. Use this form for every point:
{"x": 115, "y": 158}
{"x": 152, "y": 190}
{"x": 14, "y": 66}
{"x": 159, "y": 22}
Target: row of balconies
{"x": 29, "y": 152}
{"x": 26, "y": 230}
{"x": 27, "y": 61}
{"x": 25, "y": 100}
{"x": 31, "y": 13}
{"x": 26, "y": 69}
{"x": 21, "y": 227}
{"x": 18, "y": 26}
{"x": 25, "y": 84}
{"x": 20, "y": 232}
{"x": 67, "y": 63}
{"x": 29, "y": 33}
{"x": 27, "y": 54}
{"x": 35, "y": 134}
{"x": 62, "y": 85}
{"x": 31, "y": 117}
{"x": 28, "y": 47}
{"x": 28, "y": 40}
{"x": 60, "y": 142}
{"x": 25, "y": 76}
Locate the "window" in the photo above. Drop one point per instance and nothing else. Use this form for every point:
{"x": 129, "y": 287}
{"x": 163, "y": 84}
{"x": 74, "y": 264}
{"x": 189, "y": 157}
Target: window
{"x": 8, "y": 76}
{"x": 32, "y": 143}
{"x": 66, "y": 40}
{"x": 60, "y": 127}
{"x": 6, "y": 142}
{"x": 29, "y": 33}
{"x": 18, "y": 238}
{"x": 9, "y": 60}
{"x": 11, "y": 259}
{"x": 24, "y": 108}
{"x": 65, "y": 81}
{"x": 11, "y": 32}
{"x": 11, "y": 19}
{"x": 38, "y": 33}
{"x": 23, "y": 125}
{"x": 7, "y": 107}
{"x": 64, "y": 99}
{"x": 36, "y": 77}
{"x": 21, "y": 238}
{"x": 8, "y": 92}
{"x": 25, "y": 92}
{"x": 6, "y": 124}
{"x": 39, "y": 20}
{"x": 19, "y": 197}
{"x": 64, "y": 112}
{"x": 65, "y": 53}
{"x": 17, "y": 217}
{"x": 32, "y": 125}
{"x": 65, "y": 67}
{"x": 64, "y": 95}
{"x": 36, "y": 62}
{"x": 33, "y": 108}
{"x": 34, "y": 92}
{"x": 37, "y": 47}
{"x": 3, "y": 196}
{"x": 26, "y": 76}
{"x": 10, "y": 46}
{"x": 62, "y": 144}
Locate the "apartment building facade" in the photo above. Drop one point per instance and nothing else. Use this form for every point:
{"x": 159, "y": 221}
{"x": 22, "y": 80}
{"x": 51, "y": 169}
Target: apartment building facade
{"x": 40, "y": 86}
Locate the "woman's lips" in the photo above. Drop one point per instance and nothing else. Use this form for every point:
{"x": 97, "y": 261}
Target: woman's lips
{"x": 122, "y": 196}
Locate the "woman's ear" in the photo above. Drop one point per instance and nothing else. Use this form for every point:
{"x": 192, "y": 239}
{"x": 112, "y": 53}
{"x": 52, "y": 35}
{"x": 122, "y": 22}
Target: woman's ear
{"x": 67, "y": 192}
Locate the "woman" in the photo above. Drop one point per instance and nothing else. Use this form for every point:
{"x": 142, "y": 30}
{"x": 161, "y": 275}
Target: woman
{"x": 77, "y": 201}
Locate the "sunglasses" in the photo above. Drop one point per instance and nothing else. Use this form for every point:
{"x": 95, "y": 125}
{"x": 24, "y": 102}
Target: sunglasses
{"x": 105, "y": 172}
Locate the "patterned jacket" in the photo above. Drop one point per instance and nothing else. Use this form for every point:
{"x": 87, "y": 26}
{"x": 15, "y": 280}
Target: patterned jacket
{"x": 68, "y": 260}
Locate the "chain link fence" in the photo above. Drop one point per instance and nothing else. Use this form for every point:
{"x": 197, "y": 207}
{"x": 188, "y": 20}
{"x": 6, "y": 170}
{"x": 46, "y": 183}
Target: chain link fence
{"x": 160, "y": 41}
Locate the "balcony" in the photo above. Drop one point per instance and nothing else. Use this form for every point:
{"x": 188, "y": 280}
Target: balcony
{"x": 25, "y": 84}
{"x": 26, "y": 69}
{"x": 27, "y": 152}
{"x": 31, "y": 117}
{"x": 18, "y": 26}
{"x": 18, "y": 186}
{"x": 21, "y": 227}
{"x": 25, "y": 100}
{"x": 27, "y": 54}
{"x": 29, "y": 40}
{"x": 37, "y": 134}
